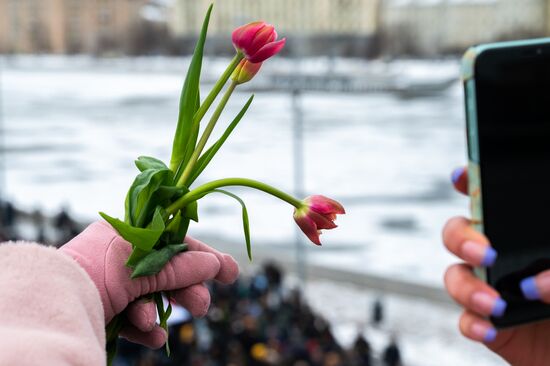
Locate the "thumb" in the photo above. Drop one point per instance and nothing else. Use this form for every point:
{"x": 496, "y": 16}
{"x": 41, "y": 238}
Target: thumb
{"x": 537, "y": 287}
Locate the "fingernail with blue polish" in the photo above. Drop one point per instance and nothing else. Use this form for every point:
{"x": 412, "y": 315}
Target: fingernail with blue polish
{"x": 499, "y": 308}
{"x": 483, "y": 332}
{"x": 486, "y": 303}
{"x": 457, "y": 173}
{"x": 489, "y": 258}
{"x": 529, "y": 288}
{"x": 474, "y": 252}
{"x": 490, "y": 336}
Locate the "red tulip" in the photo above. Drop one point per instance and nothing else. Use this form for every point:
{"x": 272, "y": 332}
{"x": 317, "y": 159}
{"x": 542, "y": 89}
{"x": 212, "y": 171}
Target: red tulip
{"x": 257, "y": 41}
{"x": 245, "y": 71}
{"x": 317, "y": 213}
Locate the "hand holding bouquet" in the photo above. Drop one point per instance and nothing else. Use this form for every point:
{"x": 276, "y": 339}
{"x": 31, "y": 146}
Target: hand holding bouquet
{"x": 162, "y": 200}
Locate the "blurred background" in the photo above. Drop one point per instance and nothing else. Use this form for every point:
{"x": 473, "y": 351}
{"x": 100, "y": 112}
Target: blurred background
{"x": 364, "y": 105}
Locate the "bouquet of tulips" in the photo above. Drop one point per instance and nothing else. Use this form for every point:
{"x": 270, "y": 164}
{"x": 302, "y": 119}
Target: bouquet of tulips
{"x": 162, "y": 200}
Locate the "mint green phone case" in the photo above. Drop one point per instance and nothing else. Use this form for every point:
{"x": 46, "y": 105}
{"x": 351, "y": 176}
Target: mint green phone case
{"x": 468, "y": 78}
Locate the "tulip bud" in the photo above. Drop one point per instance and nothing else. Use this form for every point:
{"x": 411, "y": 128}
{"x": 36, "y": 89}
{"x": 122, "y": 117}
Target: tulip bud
{"x": 318, "y": 212}
{"x": 257, "y": 41}
{"x": 245, "y": 71}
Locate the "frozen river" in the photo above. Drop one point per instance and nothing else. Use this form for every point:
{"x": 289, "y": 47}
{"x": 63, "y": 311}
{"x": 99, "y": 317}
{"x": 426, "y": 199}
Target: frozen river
{"x": 72, "y": 128}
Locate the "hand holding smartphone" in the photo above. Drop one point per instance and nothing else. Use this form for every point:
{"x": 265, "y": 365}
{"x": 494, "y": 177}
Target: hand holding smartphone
{"x": 507, "y": 96}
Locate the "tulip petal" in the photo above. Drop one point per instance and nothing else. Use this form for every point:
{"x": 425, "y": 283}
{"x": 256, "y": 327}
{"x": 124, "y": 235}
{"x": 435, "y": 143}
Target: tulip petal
{"x": 249, "y": 70}
{"x": 244, "y": 35}
{"x": 274, "y": 35}
{"x": 307, "y": 225}
{"x": 324, "y": 205}
{"x": 267, "y": 51}
{"x": 315, "y": 214}
{"x": 245, "y": 71}
{"x": 261, "y": 38}
{"x": 322, "y": 222}
{"x": 238, "y": 32}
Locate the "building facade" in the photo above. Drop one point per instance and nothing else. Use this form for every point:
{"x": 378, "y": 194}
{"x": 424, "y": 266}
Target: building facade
{"x": 313, "y": 27}
{"x": 66, "y": 26}
{"x": 422, "y": 27}
{"x": 334, "y": 17}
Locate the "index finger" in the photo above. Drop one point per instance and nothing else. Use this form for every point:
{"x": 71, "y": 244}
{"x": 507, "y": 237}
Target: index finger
{"x": 464, "y": 241}
{"x": 229, "y": 269}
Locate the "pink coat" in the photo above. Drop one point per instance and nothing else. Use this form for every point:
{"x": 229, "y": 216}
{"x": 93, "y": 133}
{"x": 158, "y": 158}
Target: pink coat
{"x": 50, "y": 310}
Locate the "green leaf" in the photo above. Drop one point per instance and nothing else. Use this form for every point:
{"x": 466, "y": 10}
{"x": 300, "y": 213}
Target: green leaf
{"x": 209, "y": 154}
{"x": 188, "y": 99}
{"x": 136, "y": 256}
{"x": 198, "y": 101}
{"x": 177, "y": 229}
{"x": 191, "y": 143}
{"x": 179, "y": 236}
{"x": 158, "y": 221}
{"x": 140, "y": 204}
{"x": 191, "y": 211}
{"x": 153, "y": 262}
{"x": 144, "y": 239}
{"x": 127, "y": 215}
{"x": 174, "y": 224}
{"x": 147, "y": 162}
{"x": 170, "y": 192}
{"x": 246, "y": 224}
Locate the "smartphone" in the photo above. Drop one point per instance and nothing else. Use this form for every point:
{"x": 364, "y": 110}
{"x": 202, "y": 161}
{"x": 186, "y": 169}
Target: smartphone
{"x": 507, "y": 98}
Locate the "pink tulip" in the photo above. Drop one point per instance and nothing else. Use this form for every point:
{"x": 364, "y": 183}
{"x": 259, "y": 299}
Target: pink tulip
{"x": 317, "y": 213}
{"x": 257, "y": 41}
{"x": 245, "y": 71}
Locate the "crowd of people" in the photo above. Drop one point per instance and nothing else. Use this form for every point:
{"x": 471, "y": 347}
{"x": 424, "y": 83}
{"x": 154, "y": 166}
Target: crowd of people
{"x": 16, "y": 224}
{"x": 257, "y": 321}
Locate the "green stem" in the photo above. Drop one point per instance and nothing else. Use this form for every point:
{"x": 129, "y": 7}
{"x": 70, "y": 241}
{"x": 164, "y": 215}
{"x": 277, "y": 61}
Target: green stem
{"x": 205, "y": 135}
{"x": 200, "y": 191}
{"x": 217, "y": 88}
{"x": 112, "y": 330}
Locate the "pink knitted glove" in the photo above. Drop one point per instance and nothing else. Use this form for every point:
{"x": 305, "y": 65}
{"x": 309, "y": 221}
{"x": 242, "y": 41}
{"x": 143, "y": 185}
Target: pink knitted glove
{"x": 103, "y": 254}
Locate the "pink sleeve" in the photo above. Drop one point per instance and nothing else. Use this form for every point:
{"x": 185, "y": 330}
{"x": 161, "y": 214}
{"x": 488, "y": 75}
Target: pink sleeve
{"x": 50, "y": 310}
